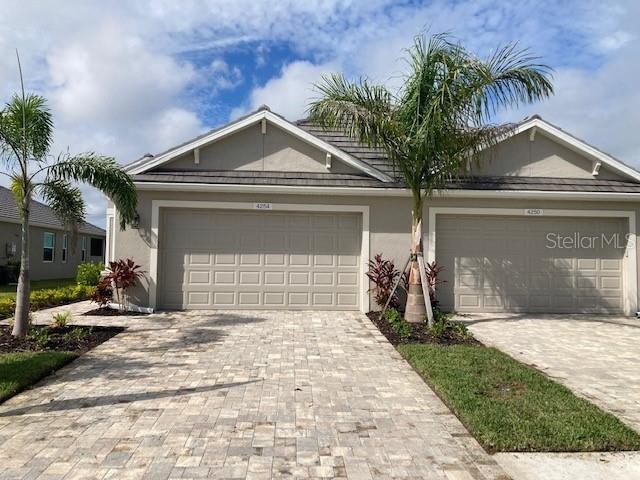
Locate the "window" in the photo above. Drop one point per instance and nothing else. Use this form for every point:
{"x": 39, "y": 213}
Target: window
{"x": 83, "y": 252}
{"x": 65, "y": 248}
{"x": 97, "y": 244}
{"x": 49, "y": 244}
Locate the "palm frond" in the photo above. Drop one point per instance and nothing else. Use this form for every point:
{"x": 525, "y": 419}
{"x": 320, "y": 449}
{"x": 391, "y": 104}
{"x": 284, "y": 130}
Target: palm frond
{"x": 361, "y": 110}
{"x": 26, "y": 128}
{"x": 509, "y": 78}
{"x": 65, "y": 200}
{"x": 104, "y": 174}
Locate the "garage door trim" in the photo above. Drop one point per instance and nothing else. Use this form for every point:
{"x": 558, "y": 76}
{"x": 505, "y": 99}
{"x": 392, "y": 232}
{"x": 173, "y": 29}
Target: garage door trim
{"x": 156, "y": 205}
{"x": 629, "y": 262}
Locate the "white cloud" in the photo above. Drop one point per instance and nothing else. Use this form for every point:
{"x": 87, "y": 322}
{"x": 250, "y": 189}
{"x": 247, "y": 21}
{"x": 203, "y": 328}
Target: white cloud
{"x": 288, "y": 94}
{"x": 225, "y": 77}
{"x": 113, "y": 75}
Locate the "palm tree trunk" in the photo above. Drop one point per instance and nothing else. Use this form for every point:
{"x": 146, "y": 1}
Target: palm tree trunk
{"x": 21, "y": 316}
{"x": 416, "y": 308}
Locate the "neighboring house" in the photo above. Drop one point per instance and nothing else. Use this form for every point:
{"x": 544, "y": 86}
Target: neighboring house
{"x": 52, "y": 253}
{"x": 264, "y": 213}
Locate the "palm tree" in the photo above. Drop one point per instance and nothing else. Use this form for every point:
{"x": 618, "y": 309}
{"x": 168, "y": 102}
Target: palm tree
{"x": 436, "y": 122}
{"x": 26, "y": 131}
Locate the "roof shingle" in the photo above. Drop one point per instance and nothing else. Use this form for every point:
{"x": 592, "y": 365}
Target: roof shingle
{"x": 243, "y": 177}
{"x": 40, "y": 214}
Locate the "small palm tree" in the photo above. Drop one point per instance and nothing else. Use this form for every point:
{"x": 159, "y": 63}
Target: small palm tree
{"x": 436, "y": 123}
{"x": 26, "y": 131}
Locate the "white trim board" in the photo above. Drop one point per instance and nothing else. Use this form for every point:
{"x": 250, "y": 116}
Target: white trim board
{"x": 385, "y": 192}
{"x": 156, "y": 205}
{"x": 630, "y": 266}
{"x": 146, "y": 164}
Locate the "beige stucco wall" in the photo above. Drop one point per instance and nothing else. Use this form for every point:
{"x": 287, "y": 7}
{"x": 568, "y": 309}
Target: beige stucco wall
{"x": 10, "y": 232}
{"x": 249, "y": 149}
{"x": 389, "y": 219}
{"x": 541, "y": 157}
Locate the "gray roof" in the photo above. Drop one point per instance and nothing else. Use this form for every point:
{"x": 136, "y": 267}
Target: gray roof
{"x": 40, "y": 214}
{"x": 244, "y": 177}
{"x": 545, "y": 184}
{"x": 375, "y": 157}
{"x": 302, "y": 179}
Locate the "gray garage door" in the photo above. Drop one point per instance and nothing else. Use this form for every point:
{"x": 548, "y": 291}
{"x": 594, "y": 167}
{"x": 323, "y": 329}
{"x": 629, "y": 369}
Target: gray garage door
{"x": 245, "y": 259}
{"x": 531, "y": 264}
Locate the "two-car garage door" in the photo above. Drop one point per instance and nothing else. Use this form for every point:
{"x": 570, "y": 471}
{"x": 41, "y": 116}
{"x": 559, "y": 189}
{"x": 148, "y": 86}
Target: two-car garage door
{"x": 259, "y": 259}
{"x": 531, "y": 264}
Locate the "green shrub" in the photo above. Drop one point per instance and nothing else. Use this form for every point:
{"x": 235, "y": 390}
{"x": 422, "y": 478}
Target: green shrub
{"x": 89, "y": 273}
{"x": 442, "y": 325}
{"x": 397, "y": 323}
{"x": 7, "y": 307}
{"x": 40, "y": 336}
{"x": 50, "y": 297}
{"x": 78, "y": 334}
{"x": 61, "y": 319}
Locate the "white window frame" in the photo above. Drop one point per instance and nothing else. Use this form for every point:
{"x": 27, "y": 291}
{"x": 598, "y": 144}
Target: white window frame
{"x": 629, "y": 263}
{"x": 83, "y": 249}
{"x": 64, "y": 254}
{"x": 156, "y": 205}
{"x": 110, "y": 237}
{"x": 53, "y": 247}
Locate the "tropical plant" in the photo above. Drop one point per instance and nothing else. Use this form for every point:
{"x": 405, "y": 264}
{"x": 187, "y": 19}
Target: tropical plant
{"x": 89, "y": 273}
{"x": 61, "y": 319}
{"x": 26, "y": 134}
{"x": 436, "y": 122}
{"x": 432, "y": 275}
{"x": 397, "y": 323}
{"x": 122, "y": 275}
{"x": 103, "y": 294}
{"x": 383, "y": 274}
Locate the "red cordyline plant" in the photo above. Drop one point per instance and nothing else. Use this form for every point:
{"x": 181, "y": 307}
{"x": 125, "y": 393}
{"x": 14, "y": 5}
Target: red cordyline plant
{"x": 122, "y": 275}
{"x": 383, "y": 273}
{"x": 433, "y": 270}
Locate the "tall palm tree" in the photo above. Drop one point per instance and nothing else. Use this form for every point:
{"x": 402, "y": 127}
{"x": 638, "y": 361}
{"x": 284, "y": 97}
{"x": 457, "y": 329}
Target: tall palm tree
{"x": 437, "y": 122}
{"x": 26, "y": 132}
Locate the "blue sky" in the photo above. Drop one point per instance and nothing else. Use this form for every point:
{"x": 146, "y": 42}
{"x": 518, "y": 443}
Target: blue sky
{"x": 125, "y": 78}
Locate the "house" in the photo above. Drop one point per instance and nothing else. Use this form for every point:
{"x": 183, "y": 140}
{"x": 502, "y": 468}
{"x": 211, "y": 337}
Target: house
{"x": 53, "y": 254}
{"x": 266, "y": 214}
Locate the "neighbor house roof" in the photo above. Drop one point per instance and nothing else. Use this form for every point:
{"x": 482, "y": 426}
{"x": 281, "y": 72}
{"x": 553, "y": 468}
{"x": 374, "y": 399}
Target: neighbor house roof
{"x": 41, "y": 214}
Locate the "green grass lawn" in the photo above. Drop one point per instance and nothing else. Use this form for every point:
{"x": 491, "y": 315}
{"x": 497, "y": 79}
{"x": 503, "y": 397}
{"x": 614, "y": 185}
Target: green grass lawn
{"x": 508, "y": 406}
{"x": 10, "y": 290}
{"x": 20, "y": 370}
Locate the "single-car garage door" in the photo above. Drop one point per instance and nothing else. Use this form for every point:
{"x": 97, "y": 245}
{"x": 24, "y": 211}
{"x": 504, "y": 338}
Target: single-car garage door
{"x": 265, "y": 259}
{"x": 531, "y": 264}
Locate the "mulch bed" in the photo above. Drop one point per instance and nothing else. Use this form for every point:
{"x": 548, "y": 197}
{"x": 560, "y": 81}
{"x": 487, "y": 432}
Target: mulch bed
{"x": 112, "y": 312}
{"x": 419, "y": 334}
{"x": 74, "y": 338}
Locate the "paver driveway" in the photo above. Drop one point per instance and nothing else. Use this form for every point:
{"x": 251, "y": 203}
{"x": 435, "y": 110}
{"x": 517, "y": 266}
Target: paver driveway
{"x": 596, "y": 357}
{"x": 238, "y": 395}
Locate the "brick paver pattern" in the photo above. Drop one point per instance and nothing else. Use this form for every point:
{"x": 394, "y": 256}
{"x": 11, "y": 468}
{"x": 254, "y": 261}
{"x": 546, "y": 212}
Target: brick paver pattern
{"x": 237, "y": 395}
{"x": 597, "y": 357}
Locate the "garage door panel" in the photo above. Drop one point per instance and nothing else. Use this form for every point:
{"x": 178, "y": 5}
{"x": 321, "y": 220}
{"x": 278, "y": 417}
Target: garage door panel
{"x": 506, "y": 264}
{"x": 195, "y": 258}
{"x": 266, "y": 260}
